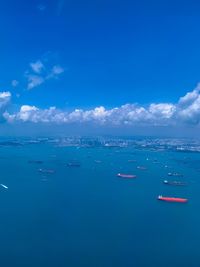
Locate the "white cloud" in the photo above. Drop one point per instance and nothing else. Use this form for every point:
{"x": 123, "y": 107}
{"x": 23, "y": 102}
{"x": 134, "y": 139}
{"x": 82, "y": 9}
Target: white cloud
{"x": 57, "y": 70}
{"x": 126, "y": 114}
{"x": 37, "y": 66}
{"x": 26, "y": 113}
{"x": 162, "y": 110}
{"x": 185, "y": 111}
{"x": 189, "y": 107}
{"x": 4, "y": 99}
{"x": 5, "y": 95}
{"x": 34, "y": 81}
{"x": 40, "y": 73}
{"x": 4, "y": 102}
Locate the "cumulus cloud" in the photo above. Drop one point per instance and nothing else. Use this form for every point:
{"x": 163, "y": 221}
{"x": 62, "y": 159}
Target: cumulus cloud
{"x": 162, "y": 110}
{"x": 189, "y": 107}
{"x": 4, "y": 99}
{"x": 190, "y": 97}
{"x": 185, "y": 111}
{"x": 4, "y": 102}
{"x": 124, "y": 115}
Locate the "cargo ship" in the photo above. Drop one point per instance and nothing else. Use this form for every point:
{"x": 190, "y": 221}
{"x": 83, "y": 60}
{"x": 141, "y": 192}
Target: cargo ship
{"x": 129, "y": 176}
{"x": 176, "y": 183}
{"x": 173, "y": 199}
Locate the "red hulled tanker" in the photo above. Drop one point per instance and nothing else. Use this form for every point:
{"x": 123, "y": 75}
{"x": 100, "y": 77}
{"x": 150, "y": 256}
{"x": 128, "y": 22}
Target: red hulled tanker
{"x": 173, "y": 199}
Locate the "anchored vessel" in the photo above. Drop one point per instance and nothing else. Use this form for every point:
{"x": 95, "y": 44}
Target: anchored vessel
{"x": 47, "y": 171}
{"x": 141, "y": 167}
{"x": 174, "y": 174}
{"x": 178, "y": 183}
{"x": 73, "y": 164}
{"x": 173, "y": 199}
{"x": 123, "y": 175}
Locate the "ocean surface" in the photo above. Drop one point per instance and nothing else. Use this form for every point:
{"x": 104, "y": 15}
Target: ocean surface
{"x": 72, "y": 216}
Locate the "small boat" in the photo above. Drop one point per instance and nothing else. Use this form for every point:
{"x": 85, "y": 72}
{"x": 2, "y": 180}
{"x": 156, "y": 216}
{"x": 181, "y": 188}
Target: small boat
{"x": 97, "y": 161}
{"x": 73, "y": 164}
{"x": 129, "y": 176}
{"x": 178, "y": 183}
{"x": 47, "y": 171}
{"x": 174, "y": 174}
{"x": 141, "y": 168}
{"x": 173, "y": 199}
{"x": 132, "y": 160}
{"x": 4, "y": 186}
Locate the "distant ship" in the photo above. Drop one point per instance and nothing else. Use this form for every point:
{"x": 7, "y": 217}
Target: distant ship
{"x": 178, "y": 183}
{"x": 97, "y": 161}
{"x": 4, "y": 186}
{"x": 73, "y": 164}
{"x": 132, "y": 160}
{"x": 47, "y": 171}
{"x": 129, "y": 176}
{"x": 141, "y": 167}
{"x": 174, "y": 174}
{"x": 173, "y": 199}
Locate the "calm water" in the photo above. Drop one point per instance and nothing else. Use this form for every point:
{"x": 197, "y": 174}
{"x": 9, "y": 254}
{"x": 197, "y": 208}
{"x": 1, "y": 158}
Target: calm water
{"x": 89, "y": 217}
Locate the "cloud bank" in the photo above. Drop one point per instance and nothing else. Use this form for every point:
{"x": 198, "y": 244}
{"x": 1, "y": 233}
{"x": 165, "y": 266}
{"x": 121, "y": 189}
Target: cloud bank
{"x": 185, "y": 112}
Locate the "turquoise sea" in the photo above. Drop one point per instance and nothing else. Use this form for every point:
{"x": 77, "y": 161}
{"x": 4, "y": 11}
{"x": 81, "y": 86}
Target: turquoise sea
{"x": 87, "y": 216}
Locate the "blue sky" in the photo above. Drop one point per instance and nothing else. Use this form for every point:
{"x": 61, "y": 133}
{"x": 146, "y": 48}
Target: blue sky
{"x": 90, "y": 54}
